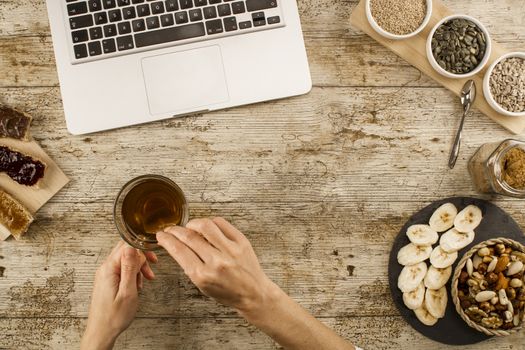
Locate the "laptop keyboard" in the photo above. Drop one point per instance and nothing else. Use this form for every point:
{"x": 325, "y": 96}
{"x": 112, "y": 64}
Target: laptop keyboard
{"x": 106, "y": 28}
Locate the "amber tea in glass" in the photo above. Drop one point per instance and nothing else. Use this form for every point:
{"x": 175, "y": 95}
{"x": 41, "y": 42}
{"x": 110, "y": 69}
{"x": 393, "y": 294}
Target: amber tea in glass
{"x": 147, "y": 205}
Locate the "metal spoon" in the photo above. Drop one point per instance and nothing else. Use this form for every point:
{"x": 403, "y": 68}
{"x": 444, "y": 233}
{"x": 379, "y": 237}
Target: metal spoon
{"x": 468, "y": 95}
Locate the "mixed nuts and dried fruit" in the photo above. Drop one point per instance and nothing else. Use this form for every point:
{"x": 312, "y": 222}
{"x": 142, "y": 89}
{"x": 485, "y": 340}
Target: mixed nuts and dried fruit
{"x": 491, "y": 287}
{"x": 459, "y": 46}
{"x": 399, "y": 17}
{"x": 424, "y": 288}
{"x": 507, "y": 84}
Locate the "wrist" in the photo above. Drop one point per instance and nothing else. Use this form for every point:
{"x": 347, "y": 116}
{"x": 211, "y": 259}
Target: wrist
{"x": 97, "y": 340}
{"x": 266, "y": 305}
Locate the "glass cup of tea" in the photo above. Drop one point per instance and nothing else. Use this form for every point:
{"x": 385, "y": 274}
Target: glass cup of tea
{"x": 146, "y": 205}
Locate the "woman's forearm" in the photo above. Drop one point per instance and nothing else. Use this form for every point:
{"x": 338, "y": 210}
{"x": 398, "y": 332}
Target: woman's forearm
{"x": 292, "y": 326}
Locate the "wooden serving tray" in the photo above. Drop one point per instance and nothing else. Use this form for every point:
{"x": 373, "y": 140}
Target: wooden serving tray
{"x": 413, "y": 50}
{"x": 33, "y": 197}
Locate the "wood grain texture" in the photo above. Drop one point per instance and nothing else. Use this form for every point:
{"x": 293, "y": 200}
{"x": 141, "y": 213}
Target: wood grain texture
{"x": 381, "y": 333}
{"x": 414, "y": 51}
{"x": 321, "y": 184}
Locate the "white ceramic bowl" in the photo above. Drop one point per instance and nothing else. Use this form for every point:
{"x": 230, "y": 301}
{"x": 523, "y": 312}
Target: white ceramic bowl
{"x": 389, "y": 35}
{"x": 446, "y": 73}
{"x": 486, "y": 86}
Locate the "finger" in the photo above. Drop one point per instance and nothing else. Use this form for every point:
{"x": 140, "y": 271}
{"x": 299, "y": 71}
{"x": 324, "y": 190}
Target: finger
{"x": 147, "y": 271}
{"x": 131, "y": 262}
{"x": 195, "y": 241}
{"x": 229, "y": 230}
{"x": 211, "y": 232}
{"x": 140, "y": 282}
{"x": 114, "y": 254}
{"x": 183, "y": 255}
{"x": 151, "y": 257}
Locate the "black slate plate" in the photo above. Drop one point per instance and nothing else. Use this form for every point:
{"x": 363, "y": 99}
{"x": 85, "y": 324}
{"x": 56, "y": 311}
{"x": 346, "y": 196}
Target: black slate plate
{"x": 451, "y": 329}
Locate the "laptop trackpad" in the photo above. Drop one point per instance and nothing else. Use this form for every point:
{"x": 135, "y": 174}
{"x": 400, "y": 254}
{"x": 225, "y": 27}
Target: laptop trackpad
{"x": 182, "y": 81}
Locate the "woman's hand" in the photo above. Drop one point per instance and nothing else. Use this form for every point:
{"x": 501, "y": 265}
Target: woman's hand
{"x": 114, "y": 302}
{"x": 220, "y": 261}
{"x": 222, "y": 264}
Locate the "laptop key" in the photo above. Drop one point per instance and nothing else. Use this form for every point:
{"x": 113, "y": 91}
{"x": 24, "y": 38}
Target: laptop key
{"x": 101, "y": 18}
{"x": 124, "y": 28}
{"x": 137, "y": 1}
{"x": 172, "y": 5}
{"x": 195, "y": 15}
{"x": 95, "y": 33}
{"x": 109, "y": 4}
{"x": 138, "y": 25}
{"x": 95, "y": 5}
{"x": 157, "y": 8}
{"x": 80, "y": 51}
{"x": 238, "y": 7}
{"x": 258, "y": 5}
{"x": 143, "y": 10}
{"x": 115, "y": 15}
{"x": 124, "y": 2}
{"x": 129, "y": 13}
{"x": 109, "y": 46}
{"x": 214, "y": 26}
{"x": 80, "y": 36}
{"x": 167, "y": 20}
{"x": 77, "y": 8}
{"x": 230, "y": 24}
{"x": 166, "y": 35}
{"x": 213, "y": 2}
{"x": 224, "y": 10}
{"x": 152, "y": 22}
{"x": 258, "y": 19}
{"x": 274, "y": 20}
{"x": 245, "y": 25}
{"x": 125, "y": 42}
{"x": 81, "y": 22}
{"x": 181, "y": 17}
{"x": 210, "y": 12}
{"x": 186, "y": 4}
{"x": 200, "y": 3}
{"x": 110, "y": 30}
{"x": 94, "y": 48}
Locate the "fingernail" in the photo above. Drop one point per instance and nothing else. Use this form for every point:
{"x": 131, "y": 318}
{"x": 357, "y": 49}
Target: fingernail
{"x": 130, "y": 252}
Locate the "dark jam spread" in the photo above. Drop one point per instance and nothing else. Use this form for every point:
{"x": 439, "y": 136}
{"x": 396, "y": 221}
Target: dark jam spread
{"x": 21, "y": 168}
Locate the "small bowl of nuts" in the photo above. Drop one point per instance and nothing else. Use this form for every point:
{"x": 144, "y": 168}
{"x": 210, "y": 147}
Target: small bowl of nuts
{"x": 488, "y": 287}
{"x": 504, "y": 85}
{"x": 458, "y": 46}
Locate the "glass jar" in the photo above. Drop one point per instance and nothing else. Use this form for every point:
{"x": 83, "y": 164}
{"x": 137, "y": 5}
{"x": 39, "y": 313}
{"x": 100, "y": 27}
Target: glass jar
{"x": 486, "y": 169}
{"x": 146, "y": 205}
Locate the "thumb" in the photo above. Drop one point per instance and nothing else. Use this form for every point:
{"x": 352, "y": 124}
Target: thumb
{"x": 129, "y": 268}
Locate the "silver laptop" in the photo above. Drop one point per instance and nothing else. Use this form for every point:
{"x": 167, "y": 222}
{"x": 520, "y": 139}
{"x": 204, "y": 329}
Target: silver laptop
{"x": 125, "y": 62}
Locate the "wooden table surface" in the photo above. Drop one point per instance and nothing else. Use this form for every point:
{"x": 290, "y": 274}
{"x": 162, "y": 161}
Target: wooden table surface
{"x": 321, "y": 184}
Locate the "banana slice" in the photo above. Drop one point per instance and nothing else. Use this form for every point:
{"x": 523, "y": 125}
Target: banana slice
{"x": 437, "y": 278}
{"x": 441, "y": 259}
{"x": 425, "y": 317}
{"x": 414, "y": 299}
{"x": 412, "y": 254}
{"x": 443, "y": 217}
{"x": 468, "y": 219}
{"x": 453, "y": 240}
{"x": 411, "y": 277}
{"x": 422, "y": 235}
{"x": 436, "y": 302}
